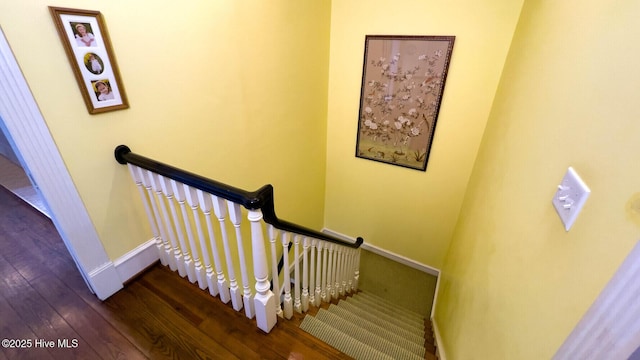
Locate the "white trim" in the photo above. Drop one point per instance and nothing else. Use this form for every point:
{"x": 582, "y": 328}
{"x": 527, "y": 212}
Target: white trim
{"x": 610, "y": 328}
{"x": 439, "y": 346}
{"x": 137, "y": 260}
{"x": 401, "y": 259}
{"x": 101, "y": 278}
{"x": 435, "y": 298}
{"x": 388, "y": 254}
{"x": 24, "y": 124}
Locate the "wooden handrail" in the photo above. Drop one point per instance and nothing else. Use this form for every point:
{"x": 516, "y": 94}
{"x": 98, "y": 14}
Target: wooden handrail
{"x": 260, "y": 199}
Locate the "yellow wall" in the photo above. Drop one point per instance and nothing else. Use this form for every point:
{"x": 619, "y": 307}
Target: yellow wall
{"x": 232, "y": 90}
{"x": 216, "y": 86}
{"x": 410, "y": 212}
{"x": 515, "y": 283}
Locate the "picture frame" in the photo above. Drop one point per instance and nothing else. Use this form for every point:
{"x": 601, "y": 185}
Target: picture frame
{"x": 403, "y": 79}
{"x": 86, "y": 42}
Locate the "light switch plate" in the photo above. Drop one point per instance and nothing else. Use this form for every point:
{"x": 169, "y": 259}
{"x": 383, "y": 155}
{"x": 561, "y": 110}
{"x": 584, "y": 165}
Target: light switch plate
{"x": 571, "y": 195}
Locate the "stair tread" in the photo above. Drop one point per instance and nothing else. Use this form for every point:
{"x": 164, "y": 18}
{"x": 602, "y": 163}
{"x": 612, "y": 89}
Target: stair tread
{"x": 375, "y": 336}
{"x": 396, "y": 309}
{"x": 378, "y": 317}
{"x": 390, "y": 312}
{"x": 341, "y": 341}
{"x": 391, "y": 318}
{"x": 363, "y": 318}
{"x": 387, "y": 303}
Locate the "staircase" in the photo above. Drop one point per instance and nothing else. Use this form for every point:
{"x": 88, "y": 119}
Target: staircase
{"x": 366, "y": 326}
{"x": 296, "y": 270}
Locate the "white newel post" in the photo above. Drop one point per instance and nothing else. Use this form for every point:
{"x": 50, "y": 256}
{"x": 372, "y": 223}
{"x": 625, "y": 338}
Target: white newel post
{"x": 220, "y": 209}
{"x": 287, "y": 304}
{"x": 236, "y": 217}
{"x": 264, "y": 300}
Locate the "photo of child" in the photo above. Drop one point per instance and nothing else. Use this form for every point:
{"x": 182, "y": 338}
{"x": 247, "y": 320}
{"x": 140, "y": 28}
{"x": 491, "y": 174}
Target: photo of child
{"x": 93, "y": 63}
{"x": 103, "y": 90}
{"x": 83, "y": 34}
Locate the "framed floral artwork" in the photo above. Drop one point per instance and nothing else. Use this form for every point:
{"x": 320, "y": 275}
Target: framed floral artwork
{"x": 86, "y": 42}
{"x": 403, "y": 80}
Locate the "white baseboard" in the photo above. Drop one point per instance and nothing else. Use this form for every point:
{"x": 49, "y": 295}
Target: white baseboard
{"x": 104, "y": 280}
{"x": 388, "y": 254}
{"x": 107, "y": 279}
{"x": 439, "y": 346}
{"x": 135, "y": 261}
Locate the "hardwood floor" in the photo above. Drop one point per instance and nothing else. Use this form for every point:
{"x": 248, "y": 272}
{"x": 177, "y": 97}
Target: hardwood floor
{"x": 14, "y": 178}
{"x": 44, "y": 301}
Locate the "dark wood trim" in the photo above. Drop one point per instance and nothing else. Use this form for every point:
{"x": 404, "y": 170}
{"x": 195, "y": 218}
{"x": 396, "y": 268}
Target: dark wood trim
{"x": 262, "y": 198}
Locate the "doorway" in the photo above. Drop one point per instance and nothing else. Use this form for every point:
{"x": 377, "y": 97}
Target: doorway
{"x": 29, "y": 135}
{"x": 14, "y": 178}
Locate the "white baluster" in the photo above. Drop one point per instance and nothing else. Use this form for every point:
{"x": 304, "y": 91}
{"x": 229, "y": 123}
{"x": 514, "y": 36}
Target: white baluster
{"x": 325, "y": 272}
{"x": 318, "y": 290}
{"x": 349, "y": 270}
{"x": 195, "y": 270}
{"x": 345, "y": 271}
{"x": 236, "y": 217}
{"x": 205, "y": 272}
{"x": 178, "y": 256}
{"x": 312, "y": 272}
{"x": 305, "y": 275}
{"x": 352, "y": 269}
{"x": 186, "y": 264}
{"x": 273, "y": 235}
{"x": 336, "y": 271}
{"x": 220, "y": 208}
{"x": 137, "y": 176}
{"x": 221, "y": 288}
{"x": 330, "y": 291}
{"x": 264, "y": 301}
{"x": 340, "y": 273}
{"x": 336, "y": 262}
{"x": 297, "y": 305}
{"x": 287, "y": 304}
{"x": 155, "y": 198}
{"x": 356, "y": 277}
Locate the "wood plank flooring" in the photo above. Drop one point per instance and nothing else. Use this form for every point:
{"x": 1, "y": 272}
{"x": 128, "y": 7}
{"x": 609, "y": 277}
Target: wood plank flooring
{"x": 14, "y": 178}
{"x": 43, "y": 298}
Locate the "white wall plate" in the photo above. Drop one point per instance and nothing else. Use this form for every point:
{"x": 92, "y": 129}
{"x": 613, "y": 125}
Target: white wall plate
{"x": 571, "y": 195}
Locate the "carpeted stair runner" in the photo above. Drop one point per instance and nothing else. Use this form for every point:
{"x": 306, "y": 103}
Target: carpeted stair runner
{"x": 365, "y": 326}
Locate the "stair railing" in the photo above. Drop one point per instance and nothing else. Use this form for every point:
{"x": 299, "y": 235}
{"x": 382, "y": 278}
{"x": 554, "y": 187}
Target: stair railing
{"x": 324, "y": 267}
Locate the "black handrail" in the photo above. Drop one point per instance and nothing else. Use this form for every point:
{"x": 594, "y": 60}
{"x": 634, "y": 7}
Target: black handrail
{"x": 260, "y": 199}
